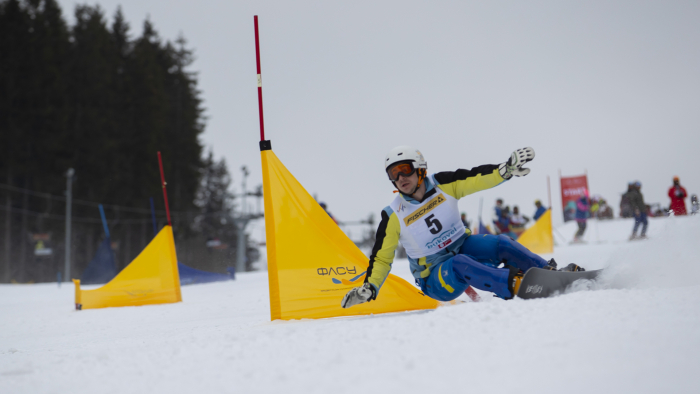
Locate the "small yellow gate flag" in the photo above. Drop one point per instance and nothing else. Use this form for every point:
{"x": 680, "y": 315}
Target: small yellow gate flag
{"x": 539, "y": 238}
{"x": 152, "y": 278}
{"x": 311, "y": 263}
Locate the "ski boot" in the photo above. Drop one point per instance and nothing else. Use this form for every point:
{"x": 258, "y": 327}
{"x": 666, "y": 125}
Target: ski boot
{"x": 551, "y": 265}
{"x": 572, "y": 268}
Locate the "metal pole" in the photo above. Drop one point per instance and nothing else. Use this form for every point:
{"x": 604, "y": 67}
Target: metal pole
{"x": 241, "y": 224}
{"x": 69, "y": 209}
{"x": 8, "y": 229}
{"x": 240, "y": 245}
{"x": 244, "y": 169}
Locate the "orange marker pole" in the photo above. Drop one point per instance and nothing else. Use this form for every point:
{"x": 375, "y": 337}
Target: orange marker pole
{"x": 260, "y": 100}
{"x": 165, "y": 191}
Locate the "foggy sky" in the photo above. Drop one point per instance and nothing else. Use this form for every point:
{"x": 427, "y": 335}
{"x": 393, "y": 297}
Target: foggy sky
{"x": 610, "y": 88}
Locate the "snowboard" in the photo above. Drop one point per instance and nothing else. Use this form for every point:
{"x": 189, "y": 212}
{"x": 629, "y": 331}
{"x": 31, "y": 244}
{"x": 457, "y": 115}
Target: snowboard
{"x": 541, "y": 283}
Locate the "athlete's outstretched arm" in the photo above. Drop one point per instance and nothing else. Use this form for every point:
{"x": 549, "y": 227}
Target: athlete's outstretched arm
{"x": 385, "y": 243}
{"x": 462, "y": 182}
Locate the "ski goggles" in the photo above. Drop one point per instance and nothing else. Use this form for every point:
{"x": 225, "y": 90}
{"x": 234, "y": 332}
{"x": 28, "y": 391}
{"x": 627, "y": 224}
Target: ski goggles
{"x": 405, "y": 169}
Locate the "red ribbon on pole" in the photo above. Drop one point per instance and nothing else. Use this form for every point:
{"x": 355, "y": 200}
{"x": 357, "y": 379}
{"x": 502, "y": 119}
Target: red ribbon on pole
{"x": 260, "y": 101}
{"x": 165, "y": 191}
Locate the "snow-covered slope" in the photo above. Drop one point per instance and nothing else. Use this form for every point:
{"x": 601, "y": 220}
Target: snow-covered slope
{"x": 636, "y": 333}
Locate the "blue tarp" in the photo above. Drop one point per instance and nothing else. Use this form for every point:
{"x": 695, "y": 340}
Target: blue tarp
{"x": 102, "y": 268}
{"x": 190, "y": 276}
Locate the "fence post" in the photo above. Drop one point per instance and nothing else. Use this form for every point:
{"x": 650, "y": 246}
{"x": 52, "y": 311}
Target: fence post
{"x": 69, "y": 208}
{"x": 8, "y": 229}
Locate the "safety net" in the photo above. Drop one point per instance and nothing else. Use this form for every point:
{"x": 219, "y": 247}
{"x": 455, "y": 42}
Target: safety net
{"x": 191, "y": 276}
{"x": 102, "y": 268}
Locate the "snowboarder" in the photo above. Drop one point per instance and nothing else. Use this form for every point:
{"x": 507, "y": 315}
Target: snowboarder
{"x": 678, "y": 195}
{"x": 640, "y": 211}
{"x": 694, "y": 206}
{"x": 444, "y": 258}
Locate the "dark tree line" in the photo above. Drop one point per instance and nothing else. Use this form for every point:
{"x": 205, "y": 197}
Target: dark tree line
{"x": 92, "y": 98}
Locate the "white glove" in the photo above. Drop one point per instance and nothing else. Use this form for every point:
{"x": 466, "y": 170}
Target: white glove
{"x": 513, "y": 167}
{"x": 358, "y": 295}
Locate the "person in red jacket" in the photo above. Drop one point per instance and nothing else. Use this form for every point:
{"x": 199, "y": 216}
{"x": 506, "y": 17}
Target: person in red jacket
{"x": 677, "y": 194}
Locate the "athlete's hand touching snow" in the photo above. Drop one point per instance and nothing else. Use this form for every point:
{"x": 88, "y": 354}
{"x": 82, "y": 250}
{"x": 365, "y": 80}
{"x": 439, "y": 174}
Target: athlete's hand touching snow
{"x": 358, "y": 295}
{"x": 513, "y": 167}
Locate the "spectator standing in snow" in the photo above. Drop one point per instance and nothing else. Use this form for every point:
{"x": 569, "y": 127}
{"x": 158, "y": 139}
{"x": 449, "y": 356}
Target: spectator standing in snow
{"x": 465, "y": 222}
{"x": 640, "y": 211}
{"x": 503, "y": 223}
{"x": 626, "y": 210}
{"x": 583, "y": 206}
{"x": 594, "y": 207}
{"x": 678, "y": 195}
{"x": 517, "y": 222}
{"x": 604, "y": 210}
{"x": 497, "y": 210}
{"x": 325, "y": 208}
{"x": 694, "y": 207}
{"x": 540, "y": 210}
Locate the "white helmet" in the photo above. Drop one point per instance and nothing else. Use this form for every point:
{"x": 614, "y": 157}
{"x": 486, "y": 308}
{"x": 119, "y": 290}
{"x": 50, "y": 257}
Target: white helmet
{"x": 412, "y": 156}
{"x": 405, "y": 153}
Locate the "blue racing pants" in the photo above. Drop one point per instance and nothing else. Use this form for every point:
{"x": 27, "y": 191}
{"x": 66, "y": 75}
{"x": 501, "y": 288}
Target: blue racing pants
{"x": 476, "y": 266}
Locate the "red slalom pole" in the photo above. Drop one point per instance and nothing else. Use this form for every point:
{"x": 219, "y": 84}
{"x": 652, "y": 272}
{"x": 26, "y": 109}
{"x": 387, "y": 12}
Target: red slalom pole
{"x": 165, "y": 191}
{"x": 257, "y": 58}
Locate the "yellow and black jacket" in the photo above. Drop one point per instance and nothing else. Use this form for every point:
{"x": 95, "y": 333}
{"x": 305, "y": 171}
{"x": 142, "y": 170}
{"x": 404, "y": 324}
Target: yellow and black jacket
{"x": 457, "y": 184}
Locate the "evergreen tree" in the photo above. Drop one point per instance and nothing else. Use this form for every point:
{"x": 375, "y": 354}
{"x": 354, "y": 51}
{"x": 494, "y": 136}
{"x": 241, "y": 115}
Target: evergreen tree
{"x": 94, "y": 60}
{"x": 184, "y": 116}
{"x": 92, "y": 98}
{"x": 45, "y": 109}
{"x": 213, "y": 199}
{"x": 215, "y": 221}
{"x": 14, "y": 39}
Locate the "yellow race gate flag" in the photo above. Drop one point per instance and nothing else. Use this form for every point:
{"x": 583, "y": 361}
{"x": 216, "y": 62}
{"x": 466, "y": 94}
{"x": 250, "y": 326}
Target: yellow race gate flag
{"x": 152, "y": 278}
{"x": 311, "y": 262}
{"x": 539, "y": 238}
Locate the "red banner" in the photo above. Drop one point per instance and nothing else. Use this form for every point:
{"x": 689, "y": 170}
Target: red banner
{"x": 571, "y": 189}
